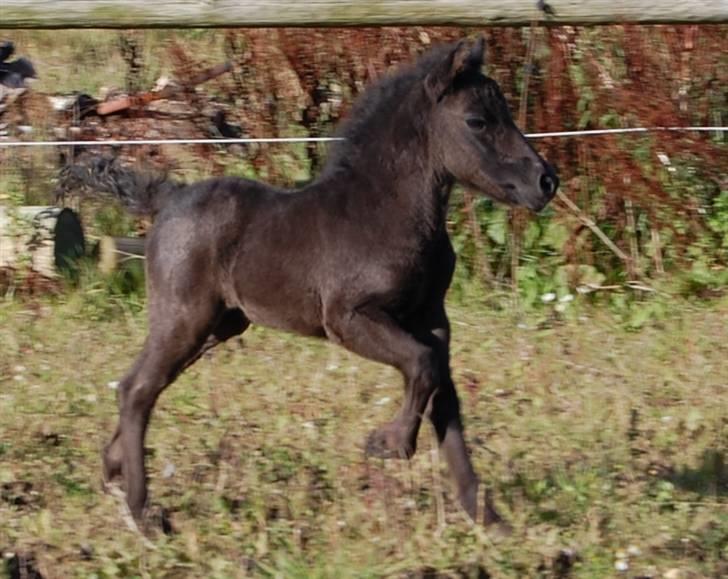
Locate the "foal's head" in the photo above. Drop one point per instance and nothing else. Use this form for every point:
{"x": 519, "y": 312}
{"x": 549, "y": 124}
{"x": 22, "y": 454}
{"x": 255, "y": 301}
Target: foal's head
{"x": 474, "y": 136}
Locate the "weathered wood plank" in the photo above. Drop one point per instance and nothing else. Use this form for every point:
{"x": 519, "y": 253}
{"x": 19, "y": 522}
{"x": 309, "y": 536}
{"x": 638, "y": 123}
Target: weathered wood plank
{"x": 230, "y": 13}
{"x": 114, "y": 251}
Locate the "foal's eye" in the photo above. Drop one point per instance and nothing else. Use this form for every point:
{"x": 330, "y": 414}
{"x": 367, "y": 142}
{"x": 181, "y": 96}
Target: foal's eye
{"x": 476, "y": 123}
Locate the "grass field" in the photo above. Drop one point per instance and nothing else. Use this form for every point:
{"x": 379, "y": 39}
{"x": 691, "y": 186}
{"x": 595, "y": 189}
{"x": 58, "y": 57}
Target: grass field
{"x": 605, "y": 448}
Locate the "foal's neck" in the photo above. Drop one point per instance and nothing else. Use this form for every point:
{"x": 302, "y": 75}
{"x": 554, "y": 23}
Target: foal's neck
{"x": 392, "y": 179}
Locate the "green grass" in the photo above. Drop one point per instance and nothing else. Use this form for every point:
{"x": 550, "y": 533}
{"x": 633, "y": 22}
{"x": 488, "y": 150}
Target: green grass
{"x": 607, "y": 442}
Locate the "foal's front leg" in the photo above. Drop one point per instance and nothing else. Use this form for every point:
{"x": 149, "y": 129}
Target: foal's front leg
{"x": 374, "y": 334}
{"x": 447, "y": 421}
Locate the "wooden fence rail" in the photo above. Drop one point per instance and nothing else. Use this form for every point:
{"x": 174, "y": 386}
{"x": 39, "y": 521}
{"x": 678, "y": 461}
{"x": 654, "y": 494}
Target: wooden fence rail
{"x": 233, "y": 13}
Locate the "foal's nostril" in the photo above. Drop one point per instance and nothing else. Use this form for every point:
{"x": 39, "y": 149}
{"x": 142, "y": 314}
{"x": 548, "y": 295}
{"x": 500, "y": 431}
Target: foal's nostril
{"x": 548, "y": 184}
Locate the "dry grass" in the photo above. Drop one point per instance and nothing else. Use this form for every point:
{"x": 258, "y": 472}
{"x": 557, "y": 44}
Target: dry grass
{"x": 606, "y": 442}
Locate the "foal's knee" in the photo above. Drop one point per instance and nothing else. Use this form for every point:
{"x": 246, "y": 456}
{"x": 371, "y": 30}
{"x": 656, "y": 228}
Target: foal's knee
{"x": 424, "y": 371}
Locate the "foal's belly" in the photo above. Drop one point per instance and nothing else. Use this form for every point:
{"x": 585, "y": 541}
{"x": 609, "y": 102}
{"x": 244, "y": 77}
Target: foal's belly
{"x": 282, "y": 319}
{"x": 274, "y": 302}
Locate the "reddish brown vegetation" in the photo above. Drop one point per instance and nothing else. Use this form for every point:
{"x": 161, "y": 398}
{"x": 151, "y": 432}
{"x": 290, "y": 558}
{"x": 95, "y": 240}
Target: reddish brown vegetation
{"x": 287, "y": 82}
{"x": 618, "y": 76}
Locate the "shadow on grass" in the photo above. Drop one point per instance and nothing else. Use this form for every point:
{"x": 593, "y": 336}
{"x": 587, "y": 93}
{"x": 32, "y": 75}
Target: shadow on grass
{"x": 709, "y": 478}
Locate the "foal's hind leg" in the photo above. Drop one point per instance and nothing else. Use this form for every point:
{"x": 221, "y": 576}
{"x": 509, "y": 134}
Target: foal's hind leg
{"x": 172, "y": 346}
{"x": 232, "y": 323}
{"x": 113, "y": 453}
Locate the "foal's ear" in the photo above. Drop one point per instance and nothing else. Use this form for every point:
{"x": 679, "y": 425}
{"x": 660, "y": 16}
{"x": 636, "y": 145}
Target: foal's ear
{"x": 463, "y": 58}
{"x": 477, "y": 53}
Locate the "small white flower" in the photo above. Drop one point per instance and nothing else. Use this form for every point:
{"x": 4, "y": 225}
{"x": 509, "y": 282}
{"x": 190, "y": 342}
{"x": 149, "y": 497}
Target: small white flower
{"x": 634, "y": 551}
{"x": 621, "y": 565}
{"x": 548, "y": 297}
{"x": 114, "y": 384}
{"x": 566, "y": 299}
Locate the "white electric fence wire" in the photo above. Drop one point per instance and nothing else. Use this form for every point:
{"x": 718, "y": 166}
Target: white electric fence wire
{"x": 244, "y": 141}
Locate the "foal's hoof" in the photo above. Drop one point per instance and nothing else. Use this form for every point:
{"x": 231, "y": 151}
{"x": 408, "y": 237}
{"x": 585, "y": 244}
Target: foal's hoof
{"x": 157, "y": 519}
{"x": 479, "y": 506}
{"x": 496, "y": 525}
{"x": 147, "y": 524}
{"x": 388, "y": 442}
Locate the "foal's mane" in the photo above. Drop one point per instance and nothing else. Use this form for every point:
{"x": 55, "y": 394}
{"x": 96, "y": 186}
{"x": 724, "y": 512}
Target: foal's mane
{"x": 374, "y": 106}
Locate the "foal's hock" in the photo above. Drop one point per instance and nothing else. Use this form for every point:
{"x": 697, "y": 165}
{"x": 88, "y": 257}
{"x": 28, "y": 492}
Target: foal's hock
{"x": 361, "y": 256}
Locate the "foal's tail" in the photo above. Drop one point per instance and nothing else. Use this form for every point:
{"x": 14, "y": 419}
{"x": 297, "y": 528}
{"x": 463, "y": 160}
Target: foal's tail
{"x": 141, "y": 192}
